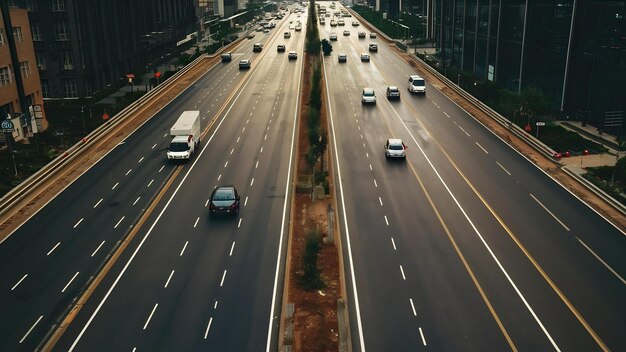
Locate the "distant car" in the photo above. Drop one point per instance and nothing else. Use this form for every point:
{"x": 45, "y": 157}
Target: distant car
{"x": 373, "y": 47}
{"x": 342, "y": 58}
{"x": 280, "y": 48}
{"x": 292, "y": 55}
{"x": 224, "y": 200}
{"x": 341, "y": 23}
{"x": 346, "y": 32}
{"x": 226, "y": 57}
{"x": 361, "y": 34}
{"x": 393, "y": 92}
{"x": 395, "y": 148}
{"x": 355, "y": 23}
{"x": 287, "y": 35}
{"x": 416, "y": 84}
{"x": 372, "y": 35}
{"x": 322, "y": 21}
{"x": 333, "y": 36}
{"x": 266, "y": 30}
{"x": 368, "y": 96}
{"x": 244, "y": 64}
{"x": 333, "y": 23}
{"x": 257, "y": 47}
{"x": 327, "y": 15}
{"x": 250, "y": 35}
{"x": 298, "y": 28}
{"x": 365, "y": 57}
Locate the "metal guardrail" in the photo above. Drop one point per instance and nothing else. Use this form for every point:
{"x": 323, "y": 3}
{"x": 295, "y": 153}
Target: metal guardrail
{"x": 32, "y": 183}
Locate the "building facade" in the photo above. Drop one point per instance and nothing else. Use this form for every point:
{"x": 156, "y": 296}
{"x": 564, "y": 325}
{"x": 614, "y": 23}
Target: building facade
{"x": 573, "y": 50}
{"x": 13, "y": 104}
{"x": 83, "y": 46}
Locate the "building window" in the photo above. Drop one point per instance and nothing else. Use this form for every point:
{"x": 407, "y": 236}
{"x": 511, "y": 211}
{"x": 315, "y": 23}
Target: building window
{"x": 8, "y": 108}
{"x": 34, "y": 29}
{"x": 68, "y": 63}
{"x": 69, "y": 88}
{"x": 60, "y": 31}
{"x": 17, "y": 34}
{"x": 41, "y": 59}
{"x": 25, "y": 69}
{"x": 1, "y": 36}
{"x": 5, "y": 76}
{"x": 45, "y": 88}
{"x": 58, "y": 5}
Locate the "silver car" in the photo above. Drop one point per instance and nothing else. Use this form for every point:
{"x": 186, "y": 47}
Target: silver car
{"x": 395, "y": 148}
{"x": 368, "y": 96}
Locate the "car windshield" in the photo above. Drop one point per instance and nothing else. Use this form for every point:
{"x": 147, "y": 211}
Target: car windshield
{"x": 224, "y": 194}
{"x": 418, "y": 82}
{"x": 395, "y": 147}
{"x": 368, "y": 93}
{"x": 179, "y": 147}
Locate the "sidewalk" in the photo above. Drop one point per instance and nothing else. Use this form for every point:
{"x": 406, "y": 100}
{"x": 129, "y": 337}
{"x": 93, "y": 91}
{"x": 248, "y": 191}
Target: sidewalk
{"x": 578, "y": 163}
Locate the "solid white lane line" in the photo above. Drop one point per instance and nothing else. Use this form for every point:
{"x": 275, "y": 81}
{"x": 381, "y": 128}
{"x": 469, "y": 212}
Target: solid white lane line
{"x": 118, "y": 223}
{"x": 196, "y": 223}
{"x": 183, "y": 250}
{"x": 115, "y": 185}
{"x": 602, "y": 261}
{"x": 161, "y": 169}
{"x": 19, "y": 282}
{"x": 464, "y": 131}
{"x": 128, "y": 172}
{"x": 380, "y": 201}
{"x": 78, "y": 223}
{"x": 239, "y": 223}
{"x": 97, "y": 249}
{"x": 168, "y": 279}
{"x": 69, "y": 282}
{"x": 219, "y": 177}
{"x": 422, "y": 335}
{"x": 386, "y": 221}
{"x": 31, "y": 329}
{"x": 140, "y": 160}
{"x": 402, "y": 271}
{"x": 252, "y": 182}
{"x": 215, "y": 305}
{"x": 481, "y": 147}
{"x": 393, "y": 243}
{"x": 375, "y": 184}
{"x": 226, "y": 163}
{"x": 136, "y": 200}
{"x": 154, "y": 146}
{"x": 256, "y": 165}
{"x": 502, "y": 167}
{"x": 149, "y": 184}
{"x": 413, "y": 307}
{"x": 232, "y": 247}
{"x": 223, "y": 277}
{"x": 150, "y": 316}
{"x": 53, "y": 248}
{"x": 206, "y": 333}
{"x": 245, "y": 202}
{"x": 549, "y": 212}
{"x": 100, "y": 201}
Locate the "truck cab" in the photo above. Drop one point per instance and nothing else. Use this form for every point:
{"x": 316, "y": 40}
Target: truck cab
{"x": 181, "y": 148}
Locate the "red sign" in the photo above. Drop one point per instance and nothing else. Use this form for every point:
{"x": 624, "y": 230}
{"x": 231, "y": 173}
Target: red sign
{"x": 105, "y": 116}
{"x": 157, "y": 74}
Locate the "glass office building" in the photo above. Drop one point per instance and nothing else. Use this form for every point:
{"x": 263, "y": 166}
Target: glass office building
{"x": 573, "y": 50}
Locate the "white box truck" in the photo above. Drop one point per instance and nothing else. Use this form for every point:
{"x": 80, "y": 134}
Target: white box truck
{"x": 185, "y": 136}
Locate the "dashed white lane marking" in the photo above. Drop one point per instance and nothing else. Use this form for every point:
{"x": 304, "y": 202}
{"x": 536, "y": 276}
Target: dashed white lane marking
{"x": 149, "y": 184}
{"x": 206, "y": 333}
{"x": 53, "y": 248}
{"x": 140, "y": 160}
{"x": 150, "y": 316}
{"x": 206, "y": 204}
{"x": 168, "y": 279}
{"x": 380, "y": 201}
{"x": 232, "y": 248}
{"x": 136, "y": 200}
{"x": 602, "y": 261}
{"x": 245, "y": 202}
{"x": 161, "y": 168}
{"x": 375, "y": 184}
{"x": 183, "y": 250}
{"x": 367, "y": 155}
{"x": 115, "y": 185}
{"x": 481, "y": 147}
{"x": 257, "y": 164}
{"x": 402, "y": 271}
{"x": 252, "y": 182}
{"x": 97, "y": 249}
{"x": 196, "y": 223}
{"x": 386, "y": 221}
{"x": 31, "y": 329}
{"x": 219, "y": 177}
{"x": 118, "y": 223}
{"x": 19, "y": 282}
{"x": 422, "y": 335}
{"x": 223, "y": 278}
{"x": 215, "y": 305}
{"x": 261, "y": 149}
{"x": 549, "y": 212}
{"x": 226, "y": 164}
{"x": 371, "y": 167}
{"x": 464, "y": 131}
{"x": 154, "y": 146}
{"x": 232, "y": 151}
{"x": 502, "y": 167}
{"x": 95, "y": 205}
{"x": 238, "y": 139}
{"x": 69, "y": 282}
{"x": 445, "y": 113}
{"x": 128, "y": 172}
{"x": 393, "y": 243}
{"x": 78, "y": 223}
{"x": 239, "y": 223}
{"x": 413, "y": 307}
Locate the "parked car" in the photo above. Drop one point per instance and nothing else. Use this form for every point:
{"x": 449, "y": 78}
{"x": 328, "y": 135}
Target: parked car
{"x": 224, "y": 200}
{"x": 368, "y": 96}
{"x": 393, "y": 92}
{"x": 395, "y": 148}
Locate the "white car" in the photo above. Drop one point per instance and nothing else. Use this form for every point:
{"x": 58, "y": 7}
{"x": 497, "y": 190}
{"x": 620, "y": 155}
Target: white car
{"x": 368, "y": 96}
{"x": 372, "y": 35}
{"x": 395, "y": 148}
{"x": 342, "y": 58}
{"x": 333, "y": 36}
{"x": 365, "y": 57}
{"x": 416, "y": 84}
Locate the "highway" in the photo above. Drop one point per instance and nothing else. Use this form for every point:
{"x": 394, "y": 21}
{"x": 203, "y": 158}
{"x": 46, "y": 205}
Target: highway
{"x": 466, "y": 245}
{"x": 217, "y": 274}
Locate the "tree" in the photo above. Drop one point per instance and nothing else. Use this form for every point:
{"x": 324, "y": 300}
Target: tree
{"x": 327, "y": 48}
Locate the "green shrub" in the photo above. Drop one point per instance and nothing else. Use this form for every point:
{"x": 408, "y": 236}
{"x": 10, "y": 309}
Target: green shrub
{"x": 311, "y": 279}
